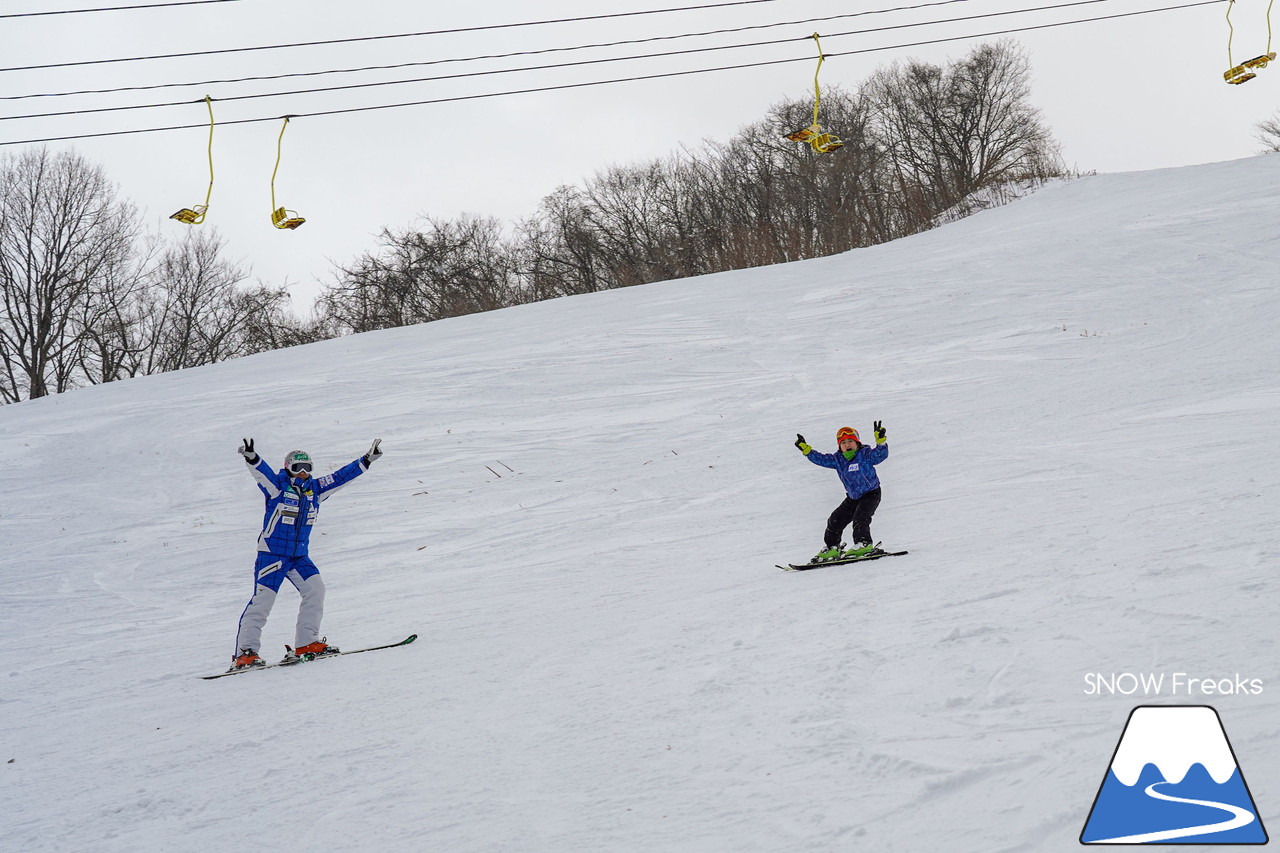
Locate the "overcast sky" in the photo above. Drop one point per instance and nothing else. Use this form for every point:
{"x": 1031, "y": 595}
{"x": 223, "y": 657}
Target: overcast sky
{"x": 1136, "y": 93}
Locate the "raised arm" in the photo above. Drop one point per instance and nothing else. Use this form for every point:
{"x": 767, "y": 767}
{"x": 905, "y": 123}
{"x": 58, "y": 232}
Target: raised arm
{"x": 259, "y": 470}
{"x": 881, "y": 451}
{"x": 330, "y": 483}
{"x": 826, "y": 460}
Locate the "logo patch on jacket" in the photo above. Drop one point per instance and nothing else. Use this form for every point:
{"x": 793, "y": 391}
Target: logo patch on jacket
{"x": 853, "y": 466}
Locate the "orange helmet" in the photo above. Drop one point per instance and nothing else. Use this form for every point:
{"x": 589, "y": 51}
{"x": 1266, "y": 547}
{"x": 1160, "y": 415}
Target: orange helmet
{"x": 847, "y": 432}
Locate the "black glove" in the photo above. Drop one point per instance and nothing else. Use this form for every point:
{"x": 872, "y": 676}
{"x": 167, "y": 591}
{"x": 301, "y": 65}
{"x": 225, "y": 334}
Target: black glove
{"x": 802, "y": 444}
{"x": 878, "y": 430}
{"x": 246, "y": 450}
{"x": 374, "y": 453}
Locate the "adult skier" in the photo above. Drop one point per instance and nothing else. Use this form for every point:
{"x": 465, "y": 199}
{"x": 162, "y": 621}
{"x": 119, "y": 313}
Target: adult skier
{"x": 293, "y": 500}
{"x": 855, "y": 463}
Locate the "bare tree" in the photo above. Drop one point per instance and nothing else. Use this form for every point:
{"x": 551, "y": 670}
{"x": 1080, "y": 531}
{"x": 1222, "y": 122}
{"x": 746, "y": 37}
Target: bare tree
{"x": 845, "y": 190}
{"x": 110, "y": 346}
{"x": 446, "y": 270}
{"x": 559, "y": 251}
{"x": 917, "y": 139}
{"x": 65, "y": 239}
{"x": 952, "y": 131}
{"x": 269, "y": 321}
{"x": 86, "y": 298}
{"x": 1267, "y": 132}
{"x": 638, "y": 216}
{"x": 191, "y": 313}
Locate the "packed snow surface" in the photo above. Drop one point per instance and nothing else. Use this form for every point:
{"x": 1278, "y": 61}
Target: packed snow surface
{"x": 579, "y": 512}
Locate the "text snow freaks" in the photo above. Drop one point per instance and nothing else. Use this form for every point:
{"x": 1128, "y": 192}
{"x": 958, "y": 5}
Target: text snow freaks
{"x": 1168, "y": 684}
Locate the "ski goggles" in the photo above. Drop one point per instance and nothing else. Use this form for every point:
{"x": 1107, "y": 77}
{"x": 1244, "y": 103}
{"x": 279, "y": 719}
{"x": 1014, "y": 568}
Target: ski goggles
{"x": 847, "y": 433}
{"x": 299, "y": 467}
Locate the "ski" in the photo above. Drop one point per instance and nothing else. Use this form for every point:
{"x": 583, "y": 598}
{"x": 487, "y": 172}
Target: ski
{"x": 406, "y": 641}
{"x": 804, "y": 567}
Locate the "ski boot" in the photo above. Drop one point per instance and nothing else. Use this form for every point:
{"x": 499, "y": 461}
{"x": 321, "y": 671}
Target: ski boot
{"x": 831, "y": 552}
{"x": 861, "y": 549}
{"x": 311, "y": 651}
{"x": 247, "y": 659}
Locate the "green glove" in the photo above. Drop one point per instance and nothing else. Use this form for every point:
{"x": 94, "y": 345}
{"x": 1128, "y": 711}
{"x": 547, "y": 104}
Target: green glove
{"x": 804, "y": 448}
{"x": 878, "y": 430}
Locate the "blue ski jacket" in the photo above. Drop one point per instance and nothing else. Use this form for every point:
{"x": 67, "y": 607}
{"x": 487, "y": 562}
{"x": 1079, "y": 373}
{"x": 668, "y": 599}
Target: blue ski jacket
{"x": 292, "y": 505}
{"x": 857, "y": 474}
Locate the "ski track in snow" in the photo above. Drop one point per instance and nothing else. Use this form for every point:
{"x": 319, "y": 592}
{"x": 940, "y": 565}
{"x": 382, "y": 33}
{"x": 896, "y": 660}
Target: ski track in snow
{"x": 579, "y": 510}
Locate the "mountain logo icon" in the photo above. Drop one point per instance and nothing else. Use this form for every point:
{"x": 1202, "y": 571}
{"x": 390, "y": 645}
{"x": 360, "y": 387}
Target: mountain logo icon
{"x": 1173, "y": 779}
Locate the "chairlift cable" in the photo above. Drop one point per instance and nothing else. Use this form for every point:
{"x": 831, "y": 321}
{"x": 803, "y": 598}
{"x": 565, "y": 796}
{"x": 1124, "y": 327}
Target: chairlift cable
{"x": 112, "y": 9}
{"x": 550, "y": 67}
{"x": 356, "y": 39}
{"x": 481, "y": 57}
{"x": 668, "y": 74}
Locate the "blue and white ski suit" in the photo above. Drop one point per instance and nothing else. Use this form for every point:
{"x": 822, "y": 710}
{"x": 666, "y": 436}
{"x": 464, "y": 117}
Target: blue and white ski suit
{"x": 291, "y": 509}
{"x": 292, "y": 505}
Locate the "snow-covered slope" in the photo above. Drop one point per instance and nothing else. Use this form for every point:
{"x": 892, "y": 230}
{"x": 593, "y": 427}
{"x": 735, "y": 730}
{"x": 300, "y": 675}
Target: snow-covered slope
{"x": 579, "y": 511}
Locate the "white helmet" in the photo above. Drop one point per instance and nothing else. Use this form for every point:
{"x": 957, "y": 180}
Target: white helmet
{"x": 296, "y": 461}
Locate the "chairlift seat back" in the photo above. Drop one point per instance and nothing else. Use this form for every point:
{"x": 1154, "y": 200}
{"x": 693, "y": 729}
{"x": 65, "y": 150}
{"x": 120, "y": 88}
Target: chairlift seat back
{"x": 191, "y": 215}
{"x": 282, "y": 218}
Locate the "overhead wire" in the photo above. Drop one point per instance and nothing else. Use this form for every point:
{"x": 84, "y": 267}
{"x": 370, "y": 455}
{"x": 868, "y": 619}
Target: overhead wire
{"x": 357, "y": 39}
{"x": 579, "y": 63}
{"x": 482, "y": 57}
{"x": 661, "y": 75}
{"x": 112, "y": 9}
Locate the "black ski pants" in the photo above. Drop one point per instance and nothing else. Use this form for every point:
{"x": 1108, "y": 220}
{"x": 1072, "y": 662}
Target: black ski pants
{"x": 859, "y": 512}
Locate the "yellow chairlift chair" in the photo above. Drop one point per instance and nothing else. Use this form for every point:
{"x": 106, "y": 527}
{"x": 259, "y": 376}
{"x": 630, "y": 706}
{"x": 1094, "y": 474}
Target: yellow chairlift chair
{"x": 1245, "y": 71}
{"x": 195, "y": 214}
{"x": 280, "y": 217}
{"x": 819, "y": 140}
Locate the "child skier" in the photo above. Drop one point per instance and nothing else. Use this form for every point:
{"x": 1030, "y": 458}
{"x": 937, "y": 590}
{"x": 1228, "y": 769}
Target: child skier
{"x": 855, "y": 463}
{"x": 292, "y": 502}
